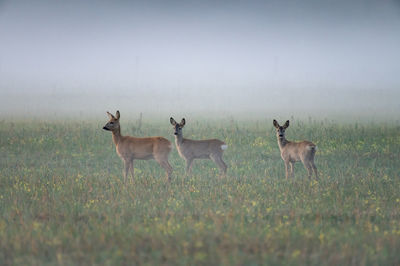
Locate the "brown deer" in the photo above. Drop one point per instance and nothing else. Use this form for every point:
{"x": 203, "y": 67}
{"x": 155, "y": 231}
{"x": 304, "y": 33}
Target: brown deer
{"x": 190, "y": 149}
{"x": 132, "y": 148}
{"x": 292, "y": 152}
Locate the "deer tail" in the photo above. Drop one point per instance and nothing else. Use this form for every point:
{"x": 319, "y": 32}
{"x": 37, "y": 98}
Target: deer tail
{"x": 312, "y": 147}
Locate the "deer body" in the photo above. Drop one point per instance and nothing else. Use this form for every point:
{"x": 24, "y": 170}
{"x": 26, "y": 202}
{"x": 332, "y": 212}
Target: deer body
{"x": 292, "y": 152}
{"x": 131, "y": 148}
{"x": 190, "y": 149}
{"x": 139, "y": 148}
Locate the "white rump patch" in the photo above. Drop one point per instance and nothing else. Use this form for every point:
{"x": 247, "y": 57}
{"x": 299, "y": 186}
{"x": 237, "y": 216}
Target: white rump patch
{"x": 224, "y": 147}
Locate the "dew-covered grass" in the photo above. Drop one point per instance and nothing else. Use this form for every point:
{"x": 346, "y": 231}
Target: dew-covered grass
{"x": 63, "y": 201}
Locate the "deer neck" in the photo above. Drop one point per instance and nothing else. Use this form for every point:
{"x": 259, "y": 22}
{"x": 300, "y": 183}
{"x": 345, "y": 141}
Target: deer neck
{"x": 116, "y": 135}
{"x": 282, "y": 141}
{"x": 178, "y": 139}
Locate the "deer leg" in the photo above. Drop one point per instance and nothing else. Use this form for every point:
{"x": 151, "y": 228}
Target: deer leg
{"x": 169, "y": 170}
{"x": 287, "y": 169}
{"x": 309, "y": 170}
{"x": 221, "y": 164}
{"x": 292, "y": 169}
{"x": 126, "y": 170}
{"x": 167, "y": 167}
{"x": 315, "y": 169}
{"x": 189, "y": 166}
{"x": 307, "y": 165}
{"x": 132, "y": 169}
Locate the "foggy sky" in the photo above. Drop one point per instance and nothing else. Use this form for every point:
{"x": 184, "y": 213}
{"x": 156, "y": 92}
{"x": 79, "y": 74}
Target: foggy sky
{"x": 185, "y": 56}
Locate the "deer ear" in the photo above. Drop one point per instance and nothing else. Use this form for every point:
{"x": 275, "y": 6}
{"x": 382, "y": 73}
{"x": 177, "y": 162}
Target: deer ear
{"x": 117, "y": 115}
{"x": 172, "y": 121}
{"x": 110, "y": 115}
{"x": 276, "y": 124}
{"x": 183, "y": 122}
{"x": 286, "y": 125}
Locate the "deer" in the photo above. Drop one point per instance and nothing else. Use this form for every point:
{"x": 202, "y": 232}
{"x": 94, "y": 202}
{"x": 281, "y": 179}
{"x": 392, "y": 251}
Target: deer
{"x": 190, "y": 149}
{"x": 132, "y": 148}
{"x": 292, "y": 152}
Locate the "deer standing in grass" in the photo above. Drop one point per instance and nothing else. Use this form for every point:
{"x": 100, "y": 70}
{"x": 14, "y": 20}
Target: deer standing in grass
{"x": 198, "y": 149}
{"x": 292, "y": 152}
{"x": 132, "y": 148}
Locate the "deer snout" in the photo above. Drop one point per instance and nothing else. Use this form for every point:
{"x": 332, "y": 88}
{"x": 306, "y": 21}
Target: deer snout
{"x": 105, "y": 128}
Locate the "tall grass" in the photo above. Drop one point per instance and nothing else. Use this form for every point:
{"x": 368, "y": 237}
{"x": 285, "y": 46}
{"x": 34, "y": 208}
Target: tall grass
{"x": 63, "y": 201}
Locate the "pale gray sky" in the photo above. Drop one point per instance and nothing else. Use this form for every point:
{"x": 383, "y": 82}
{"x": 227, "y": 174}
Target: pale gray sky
{"x": 186, "y": 56}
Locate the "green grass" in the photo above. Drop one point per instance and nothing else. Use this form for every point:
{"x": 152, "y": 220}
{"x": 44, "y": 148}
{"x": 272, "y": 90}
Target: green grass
{"x": 62, "y": 199}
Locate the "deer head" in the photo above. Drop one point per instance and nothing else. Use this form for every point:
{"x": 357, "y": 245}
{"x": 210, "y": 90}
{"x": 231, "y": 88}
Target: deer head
{"x": 280, "y": 130}
{"x": 113, "y": 123}
{"x": 177, "y": 127}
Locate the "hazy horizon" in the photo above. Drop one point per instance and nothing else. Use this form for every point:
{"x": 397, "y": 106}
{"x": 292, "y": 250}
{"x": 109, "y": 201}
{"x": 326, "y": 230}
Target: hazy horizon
{"x": 182, "y": 57}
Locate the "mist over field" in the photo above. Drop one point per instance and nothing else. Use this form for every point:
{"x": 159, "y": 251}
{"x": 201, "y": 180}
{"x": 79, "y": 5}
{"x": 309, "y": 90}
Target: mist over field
{"x": 72, "y": 193}
{"x": 317, "y": 58}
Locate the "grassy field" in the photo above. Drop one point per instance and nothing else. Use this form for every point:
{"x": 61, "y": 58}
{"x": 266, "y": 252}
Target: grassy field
{"x": 63, "y": 201}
